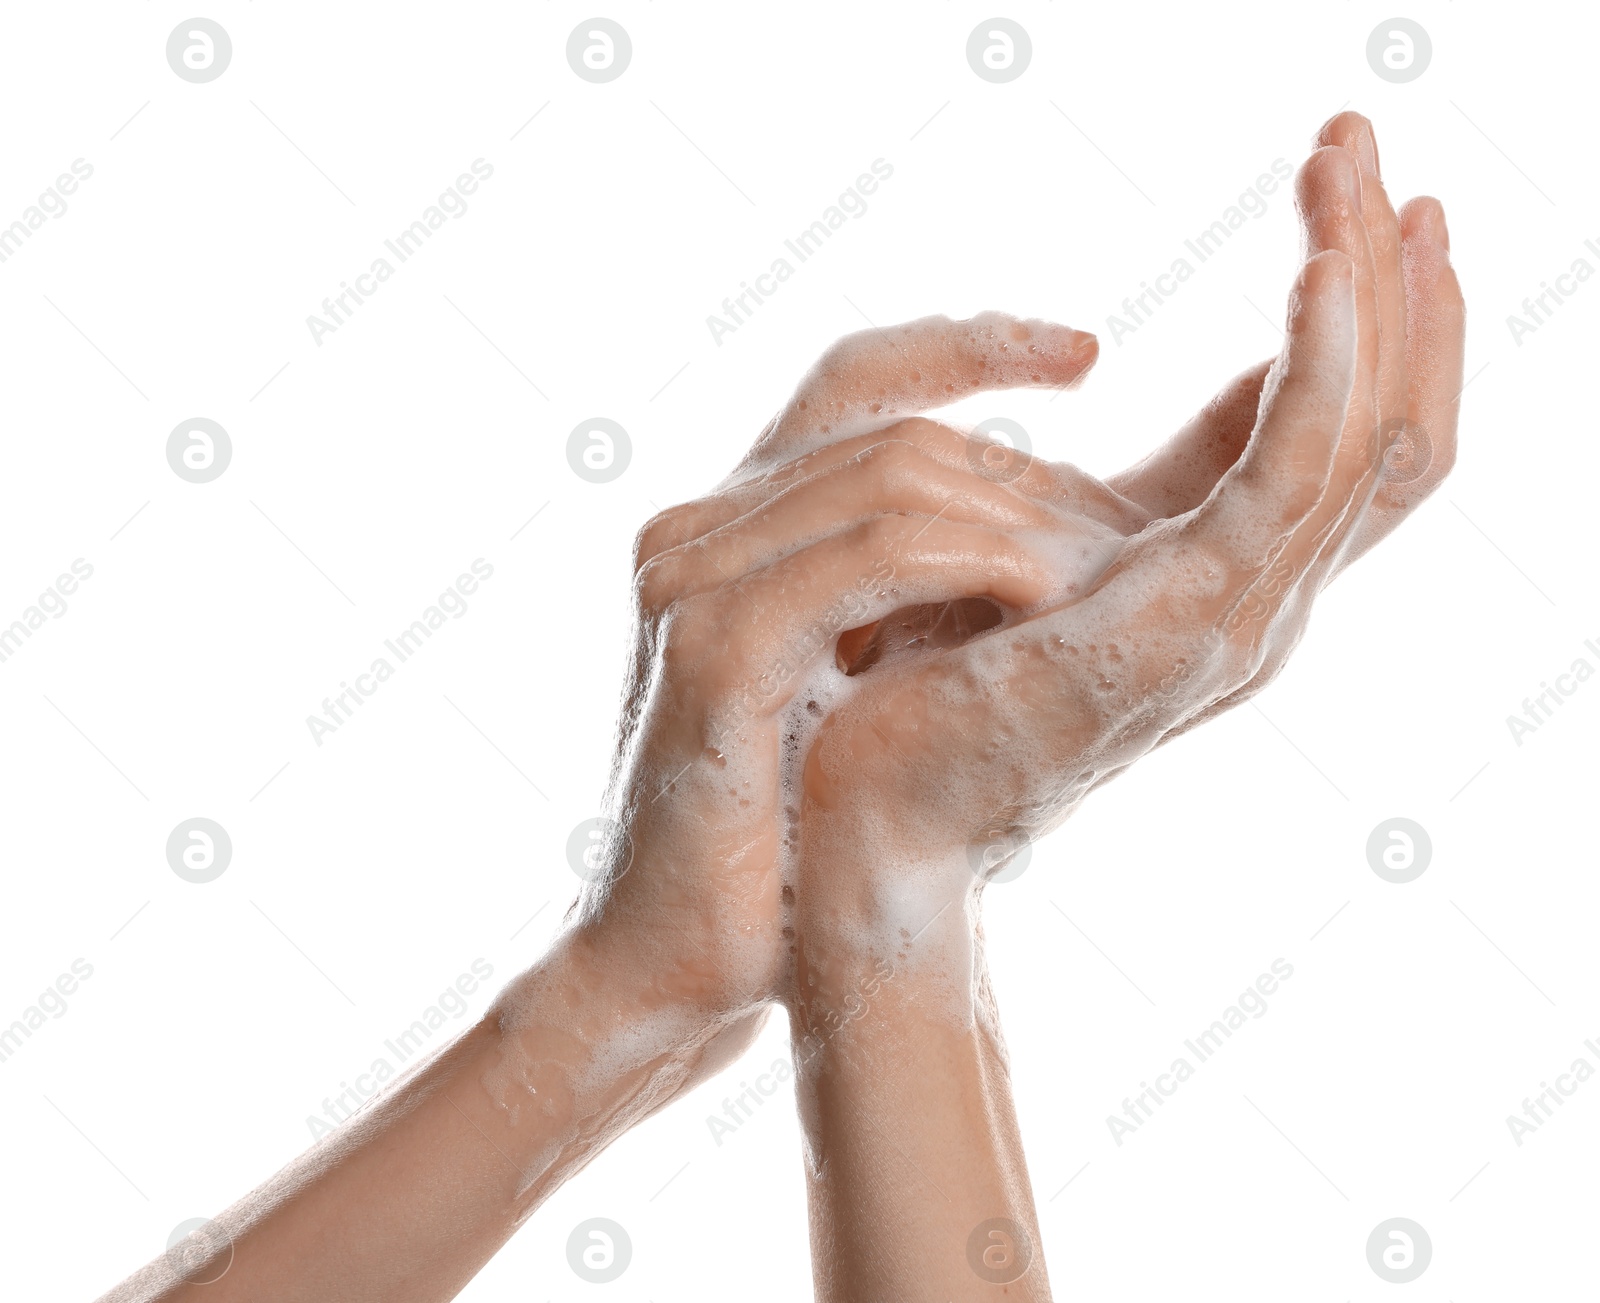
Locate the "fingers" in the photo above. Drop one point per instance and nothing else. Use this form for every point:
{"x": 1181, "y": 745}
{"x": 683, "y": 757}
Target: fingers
{"x": 1200, "y": 590}
{"x": 1328, "y": 193}
{"x": 1435, "y": 342}
{"x": 683, "y": 524}
{"x": 1285, "y": 471}
{"x": 1328, "y": 196}
{"x": 1063, "y": 487}
{"x": 752, "y": 641}
{"x": 1414, "y": 466}
{"x": 891, "y": 477}
{"x": 1177, "y": 477}
{"x": 872, "y": 378}
{"x": 1417, "y": 377}
{"x": 1354, "y": 134}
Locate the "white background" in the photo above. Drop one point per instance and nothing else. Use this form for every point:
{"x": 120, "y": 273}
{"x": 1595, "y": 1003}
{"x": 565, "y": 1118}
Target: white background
{"x": 372, "y": 870}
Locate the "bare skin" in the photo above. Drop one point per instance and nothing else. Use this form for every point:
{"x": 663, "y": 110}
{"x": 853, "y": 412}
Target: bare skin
{"x": 916, "y": 1172}
{"x": 992, "y": 639}
{"x": 671, "y": 958}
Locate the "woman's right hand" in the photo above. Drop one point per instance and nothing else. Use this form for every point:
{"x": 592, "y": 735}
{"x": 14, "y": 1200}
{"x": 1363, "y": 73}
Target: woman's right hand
{"x": 1196, "y": 571}
{"x": 939, "y": 765}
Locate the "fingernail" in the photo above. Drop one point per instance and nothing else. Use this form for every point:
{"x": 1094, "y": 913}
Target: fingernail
{"x": 1438, "y": 228}
{"x": 1350, "y": 176}
{"x": 1367, "y": 150}
{"x": 1056, "y": 340}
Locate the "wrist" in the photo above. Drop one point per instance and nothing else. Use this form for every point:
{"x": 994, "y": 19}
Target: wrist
{"x": 574, "y": 1052}
{"x": 695, "y": 912}
{"x": 660, "y": 986}
{"x": 719, "y": 962}
{"x": 910, "y": 918}
{"x": 586, "y": 1020}
{"x": 852, "y": 975}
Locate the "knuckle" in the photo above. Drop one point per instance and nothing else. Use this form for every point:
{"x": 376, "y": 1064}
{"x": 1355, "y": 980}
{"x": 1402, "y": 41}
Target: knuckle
{"x": 922, "y": 432}
{"x": 1242, "y": 657}
{"x": 664, "y": 531}
{"x": 886, "y": 458}
{"x": 1209, "y": 550}
{"x": 682, "y": 642}
{"x": 1289, "y": 490}
{"x": 1299, "y": 495}
{"x": 881, "y": 533}
{"x": 648, "y": 542}
{"x": 657, "y": 582}
{"x": 840, "y": 359}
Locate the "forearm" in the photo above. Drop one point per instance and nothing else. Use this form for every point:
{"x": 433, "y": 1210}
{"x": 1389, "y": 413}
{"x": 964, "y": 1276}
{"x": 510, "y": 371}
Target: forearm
{"x": 917, "y": 1184}
{"x": 407, "y": 1202}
